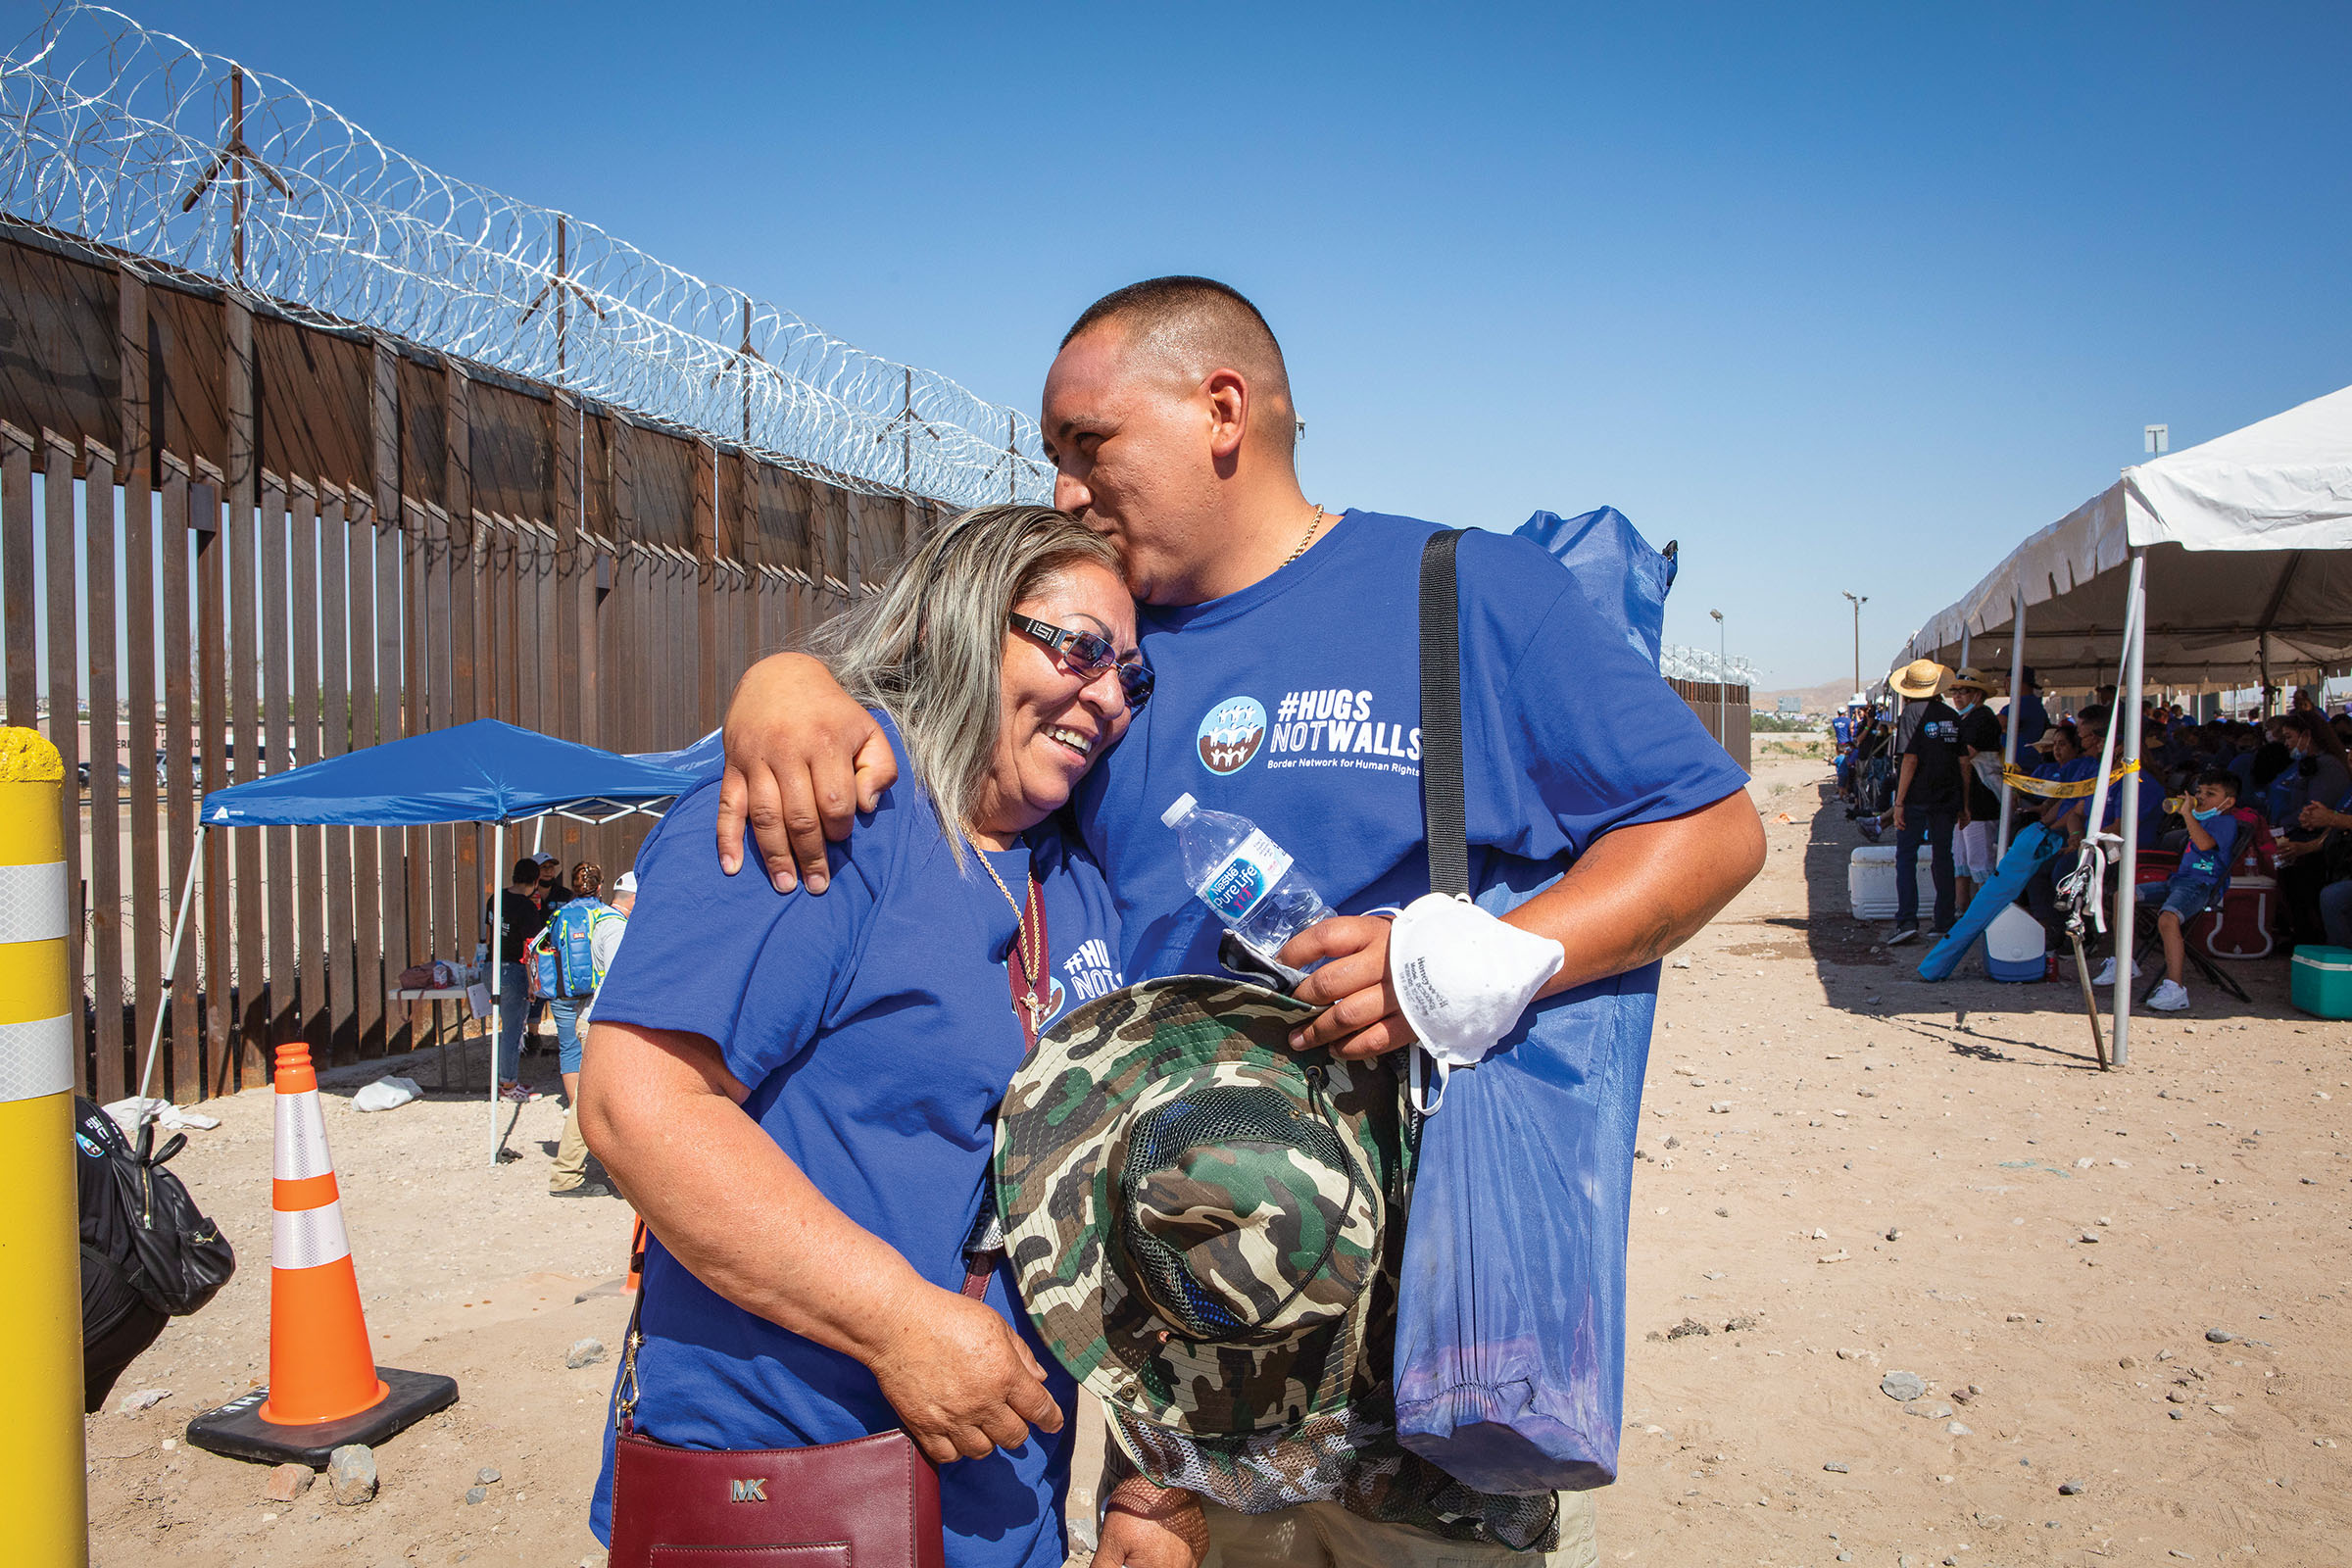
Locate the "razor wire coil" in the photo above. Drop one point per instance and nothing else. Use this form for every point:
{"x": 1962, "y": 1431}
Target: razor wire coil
{"x": 137, "y": 140}
{"x": 1677, "y": 662}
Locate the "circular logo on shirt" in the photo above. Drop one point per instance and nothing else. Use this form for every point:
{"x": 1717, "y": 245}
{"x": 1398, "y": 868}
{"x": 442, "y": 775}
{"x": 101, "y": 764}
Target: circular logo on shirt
{"x": 1231, "y": 734}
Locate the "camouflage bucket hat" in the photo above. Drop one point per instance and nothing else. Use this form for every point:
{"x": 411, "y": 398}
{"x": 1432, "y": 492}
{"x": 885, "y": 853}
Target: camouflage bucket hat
{"x": 1193, "y": 1210}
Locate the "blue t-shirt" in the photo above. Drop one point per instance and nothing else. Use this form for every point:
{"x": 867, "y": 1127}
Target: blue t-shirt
{"x": 1843, "y": 728}
{"x": 1295, "y": 702}
{"x": 2033, "y": 720}
{"x": 2208, "y": 866}
{"x": 874, "y": 1027}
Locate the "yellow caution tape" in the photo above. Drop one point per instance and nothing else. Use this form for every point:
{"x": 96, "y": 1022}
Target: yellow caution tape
{"x": 2081, "y": 789}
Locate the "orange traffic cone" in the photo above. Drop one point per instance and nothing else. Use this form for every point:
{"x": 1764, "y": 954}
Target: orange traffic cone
{"x": 320, "y": 1366}
{"x": 325, "y": 1388}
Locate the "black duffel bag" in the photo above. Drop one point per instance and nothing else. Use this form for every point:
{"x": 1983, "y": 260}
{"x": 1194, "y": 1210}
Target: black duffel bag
{"x": 148, "y": 1252}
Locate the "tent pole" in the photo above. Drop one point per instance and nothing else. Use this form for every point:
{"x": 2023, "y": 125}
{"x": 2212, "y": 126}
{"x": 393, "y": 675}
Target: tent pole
{"x": 2016, "y": 691}
{"x": 2127, "y": 890}
{"x": 179, "y": 932}
{"x": 498, "y": 977}
{"x": 1964, "y": 659}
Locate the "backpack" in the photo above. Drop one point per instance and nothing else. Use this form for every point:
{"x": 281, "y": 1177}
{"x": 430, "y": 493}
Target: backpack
{"x": 140, "y": 1229}
{"x": 563, "y": 956}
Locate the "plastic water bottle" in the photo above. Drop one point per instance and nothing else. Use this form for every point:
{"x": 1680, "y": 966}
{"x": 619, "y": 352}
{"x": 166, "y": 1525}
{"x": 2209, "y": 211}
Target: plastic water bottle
{"x": 1245, "y": 878}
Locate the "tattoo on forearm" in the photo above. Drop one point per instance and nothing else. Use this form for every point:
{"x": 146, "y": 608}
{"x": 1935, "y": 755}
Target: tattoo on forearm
{"x": 1654, "y": 946}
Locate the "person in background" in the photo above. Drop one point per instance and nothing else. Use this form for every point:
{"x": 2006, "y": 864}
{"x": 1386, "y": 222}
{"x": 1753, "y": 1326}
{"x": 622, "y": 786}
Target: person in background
{"x": 550, "y": 893}
{"x": 1842, "y": 725}
{"x": 566, "y": 952}
{"x": 2311, "y": 794}
{"x": 520, "y": 917}
{"x": 568, "y": 1176}
{"x": 2073, "y": 757}
{"x": 1927, "y": 794}
{"x": 2332, "y": 864}
{"x": 2268, "y": 762}
{"x": 2032, "y": 718}
{"x": 2212, "y": 830}
{"x": 1981, "y": 746}
{"x": 2319, "y": 771}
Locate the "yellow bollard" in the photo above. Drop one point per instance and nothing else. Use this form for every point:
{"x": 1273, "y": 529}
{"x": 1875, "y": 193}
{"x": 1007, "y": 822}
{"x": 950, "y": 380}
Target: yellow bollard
{"x": 44, "y": 1502}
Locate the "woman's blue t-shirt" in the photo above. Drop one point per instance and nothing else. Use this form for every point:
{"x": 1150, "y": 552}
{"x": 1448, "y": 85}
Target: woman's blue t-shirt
{"x": 874, "y": 1027}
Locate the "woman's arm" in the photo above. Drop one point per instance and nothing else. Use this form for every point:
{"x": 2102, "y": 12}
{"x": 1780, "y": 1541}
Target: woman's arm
{"x": 659, "y": 1109}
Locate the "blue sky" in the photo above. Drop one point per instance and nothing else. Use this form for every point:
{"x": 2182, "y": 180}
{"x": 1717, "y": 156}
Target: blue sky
{"x": 1840, "y": 297}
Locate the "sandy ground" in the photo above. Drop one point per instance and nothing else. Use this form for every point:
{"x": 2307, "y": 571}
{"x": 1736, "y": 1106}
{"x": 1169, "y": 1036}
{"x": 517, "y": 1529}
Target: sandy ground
{"x": 1844, "y": 1174}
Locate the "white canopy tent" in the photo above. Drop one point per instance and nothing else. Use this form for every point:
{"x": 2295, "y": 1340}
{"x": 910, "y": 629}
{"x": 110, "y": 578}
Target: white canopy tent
{"x": 2201, "y": 568}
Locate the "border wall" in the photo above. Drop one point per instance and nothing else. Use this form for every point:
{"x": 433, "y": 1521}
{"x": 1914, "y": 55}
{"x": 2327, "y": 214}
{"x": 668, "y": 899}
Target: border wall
{"x": 258, "y": 514}
{"x": 1711, "y": 702}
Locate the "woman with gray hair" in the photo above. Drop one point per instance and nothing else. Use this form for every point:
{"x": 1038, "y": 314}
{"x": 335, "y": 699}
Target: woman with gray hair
{"x": 799, "y": 1092}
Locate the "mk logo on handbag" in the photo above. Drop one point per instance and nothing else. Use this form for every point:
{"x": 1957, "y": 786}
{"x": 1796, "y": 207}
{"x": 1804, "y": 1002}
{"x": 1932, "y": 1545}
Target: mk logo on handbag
{"x": 754, "y": 1489}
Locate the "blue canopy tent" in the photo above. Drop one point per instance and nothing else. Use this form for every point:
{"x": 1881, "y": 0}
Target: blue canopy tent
{"x": 485, "y": 771}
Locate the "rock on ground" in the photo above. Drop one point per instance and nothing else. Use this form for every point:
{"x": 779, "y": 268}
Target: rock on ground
{"x": 351, "y": 1473}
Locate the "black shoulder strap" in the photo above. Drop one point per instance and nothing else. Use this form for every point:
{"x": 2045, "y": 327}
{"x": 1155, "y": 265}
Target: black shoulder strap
{"x": 1445, "y": 814}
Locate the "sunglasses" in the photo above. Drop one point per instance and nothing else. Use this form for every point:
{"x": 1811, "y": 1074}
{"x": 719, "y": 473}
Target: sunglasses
{"x": 1090, "y": 656}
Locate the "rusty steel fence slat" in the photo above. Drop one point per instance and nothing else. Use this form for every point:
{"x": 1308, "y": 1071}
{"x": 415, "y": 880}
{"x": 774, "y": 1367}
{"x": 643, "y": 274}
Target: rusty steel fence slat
{"x": 211, "y": 607}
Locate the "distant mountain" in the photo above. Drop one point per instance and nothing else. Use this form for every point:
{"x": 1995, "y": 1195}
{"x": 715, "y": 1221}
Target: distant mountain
{"x": 1821, "y": 698}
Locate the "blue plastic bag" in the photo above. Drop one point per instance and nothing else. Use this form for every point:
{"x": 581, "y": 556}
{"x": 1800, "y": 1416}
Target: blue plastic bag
{"x": 1618, "y": 570}
{"x": 1510, "y": 1320}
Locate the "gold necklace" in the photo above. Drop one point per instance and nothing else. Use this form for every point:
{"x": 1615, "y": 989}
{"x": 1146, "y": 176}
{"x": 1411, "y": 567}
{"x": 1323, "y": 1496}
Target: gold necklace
{"x": 1303, "y": 544}
{"x": 1032, "y": 958}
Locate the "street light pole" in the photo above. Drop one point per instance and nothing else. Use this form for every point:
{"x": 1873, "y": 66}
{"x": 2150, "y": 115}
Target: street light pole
{"x": 1859, "y": 602}
{"x": 1722, "y": 675}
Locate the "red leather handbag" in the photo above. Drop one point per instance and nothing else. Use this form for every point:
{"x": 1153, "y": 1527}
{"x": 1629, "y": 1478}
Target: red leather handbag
{"x": 869, "y": 1503}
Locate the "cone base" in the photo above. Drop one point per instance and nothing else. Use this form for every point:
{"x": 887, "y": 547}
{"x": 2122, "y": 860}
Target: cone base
{"x": 236, "y": 1431}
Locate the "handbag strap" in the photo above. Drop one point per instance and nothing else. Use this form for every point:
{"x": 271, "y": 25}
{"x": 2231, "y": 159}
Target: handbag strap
{"x": 1445, "y": 811}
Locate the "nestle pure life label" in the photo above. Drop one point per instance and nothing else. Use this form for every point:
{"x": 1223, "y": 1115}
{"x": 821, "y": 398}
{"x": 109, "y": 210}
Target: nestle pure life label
{"x": 1245, "y": 878}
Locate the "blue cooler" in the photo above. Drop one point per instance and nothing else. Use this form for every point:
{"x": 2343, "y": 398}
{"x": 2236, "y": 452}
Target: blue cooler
{"x": 2321, "y": 981}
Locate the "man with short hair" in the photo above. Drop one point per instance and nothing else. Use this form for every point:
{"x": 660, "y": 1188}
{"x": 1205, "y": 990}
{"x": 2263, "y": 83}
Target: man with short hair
{"x": 1927, "y": 794}
{"x": 1622, "y": 827}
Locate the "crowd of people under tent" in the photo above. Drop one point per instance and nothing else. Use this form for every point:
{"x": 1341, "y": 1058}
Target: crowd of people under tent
{"x": 2268, "y": 793}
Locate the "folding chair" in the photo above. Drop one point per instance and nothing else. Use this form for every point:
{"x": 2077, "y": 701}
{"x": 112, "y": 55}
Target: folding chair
{"x": 2145, "y": 935}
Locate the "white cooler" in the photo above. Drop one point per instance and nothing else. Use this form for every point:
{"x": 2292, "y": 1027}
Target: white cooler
{"x": 1869, "y": 883}
{"x": 2012, "y": 947}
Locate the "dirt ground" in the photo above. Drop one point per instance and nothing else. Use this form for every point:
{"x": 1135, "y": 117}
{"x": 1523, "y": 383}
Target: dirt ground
{"x": 1844, "y": 1174}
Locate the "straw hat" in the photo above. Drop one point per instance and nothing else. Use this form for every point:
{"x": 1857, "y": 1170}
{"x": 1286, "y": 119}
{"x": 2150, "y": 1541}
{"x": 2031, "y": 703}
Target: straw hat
{"x": 1195, "y": 1213}
{"x": 1968, "y": 676}
{"x": 1921, "y": 678}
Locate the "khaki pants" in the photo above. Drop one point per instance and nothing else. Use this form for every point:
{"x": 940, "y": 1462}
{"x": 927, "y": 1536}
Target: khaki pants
{"x": 1325, "y": 1535}
{"x": 571, "y": 1156}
